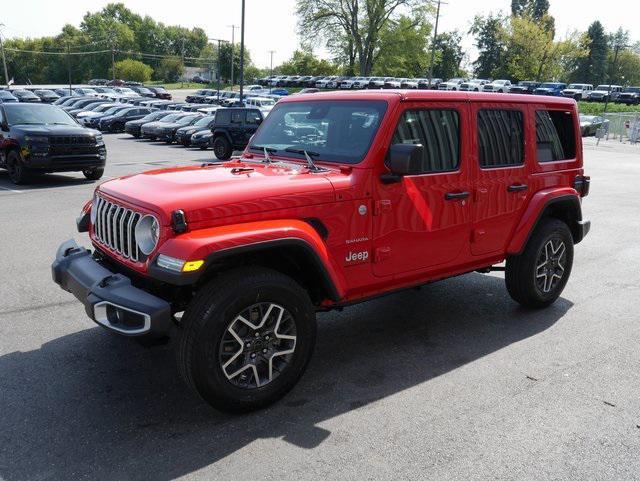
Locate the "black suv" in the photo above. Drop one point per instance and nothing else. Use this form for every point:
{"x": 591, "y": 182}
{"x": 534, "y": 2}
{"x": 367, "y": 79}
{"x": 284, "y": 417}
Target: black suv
{"x": 116, "y": 122}
{"x": 44, "y": 138}
{"x": 232, "y": 129}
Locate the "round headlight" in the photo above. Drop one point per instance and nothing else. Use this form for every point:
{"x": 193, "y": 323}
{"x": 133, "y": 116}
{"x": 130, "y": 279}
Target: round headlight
{"x": 147, "y": 233}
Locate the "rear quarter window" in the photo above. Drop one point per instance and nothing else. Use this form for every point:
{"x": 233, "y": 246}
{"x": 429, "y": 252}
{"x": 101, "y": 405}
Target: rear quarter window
{"x": 555, "y": 135}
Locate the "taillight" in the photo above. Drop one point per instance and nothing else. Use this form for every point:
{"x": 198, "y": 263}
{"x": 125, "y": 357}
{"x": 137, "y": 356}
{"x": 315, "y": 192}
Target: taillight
{"x": 582, "y": 184}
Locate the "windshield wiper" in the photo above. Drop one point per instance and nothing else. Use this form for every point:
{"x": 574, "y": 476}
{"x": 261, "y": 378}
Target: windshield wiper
{"x": 265, "y": 150}
{"x": 307, "y": 154}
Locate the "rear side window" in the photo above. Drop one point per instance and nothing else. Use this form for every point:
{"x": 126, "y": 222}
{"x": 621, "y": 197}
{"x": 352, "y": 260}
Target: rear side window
{"x": 237, "y": 117}
{"x": 253, "y": 117}
{"x": 223, "y": 117}
{"x": 555, "y": 136}
{"x": 438, "y": 131}
{"x": 500, "y": 138}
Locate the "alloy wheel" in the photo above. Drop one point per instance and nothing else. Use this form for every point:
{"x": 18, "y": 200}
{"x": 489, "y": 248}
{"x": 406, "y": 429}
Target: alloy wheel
{"x": 550, "y": 265}
{"x": 258, "y": 345}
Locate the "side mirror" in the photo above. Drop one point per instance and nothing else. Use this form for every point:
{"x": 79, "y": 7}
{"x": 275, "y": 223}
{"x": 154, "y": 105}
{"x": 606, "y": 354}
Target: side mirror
{"x": 403, "y": 159}
{"x": 4, "y": 126}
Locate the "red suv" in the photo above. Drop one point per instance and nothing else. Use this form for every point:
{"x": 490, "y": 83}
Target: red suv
{"x": 338, "y": 198}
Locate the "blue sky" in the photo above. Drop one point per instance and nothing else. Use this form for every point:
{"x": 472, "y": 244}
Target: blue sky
{"x": 271, "y": 24}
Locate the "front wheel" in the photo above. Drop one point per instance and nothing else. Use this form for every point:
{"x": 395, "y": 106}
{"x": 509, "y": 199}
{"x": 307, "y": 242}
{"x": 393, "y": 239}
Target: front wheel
{"x": 536, "y": 277}
{"x": 18, "y": 173}
{"x": 93, "y": 174}
{"x": 222, "y": 148}
{"x": 246, "y": 339}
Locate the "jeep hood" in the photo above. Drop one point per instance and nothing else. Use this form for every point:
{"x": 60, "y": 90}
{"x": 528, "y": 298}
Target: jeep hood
{"x": 207, "y": 193}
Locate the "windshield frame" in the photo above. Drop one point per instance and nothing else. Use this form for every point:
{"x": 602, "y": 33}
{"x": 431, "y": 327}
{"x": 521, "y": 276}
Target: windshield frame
{"x": 381, "y": 105}
{"x": 11, "y": 108}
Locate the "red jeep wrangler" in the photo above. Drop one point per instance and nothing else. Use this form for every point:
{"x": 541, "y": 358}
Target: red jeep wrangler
{"x": 338, "y": 198}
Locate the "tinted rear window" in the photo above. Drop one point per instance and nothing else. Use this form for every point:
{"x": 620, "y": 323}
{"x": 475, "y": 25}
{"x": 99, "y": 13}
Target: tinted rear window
{"x": 555, "y": 135}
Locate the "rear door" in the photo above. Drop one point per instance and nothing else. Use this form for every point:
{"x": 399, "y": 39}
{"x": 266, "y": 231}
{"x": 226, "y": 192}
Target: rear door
{"x": 423, "y": 221}
{"x": 253, "y": 119}
{"x": 501, "y": 174}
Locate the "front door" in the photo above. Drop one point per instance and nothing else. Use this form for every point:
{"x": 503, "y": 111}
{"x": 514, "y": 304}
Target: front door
{"x": 423, "y": 221}
{"x": 500, "y": 186}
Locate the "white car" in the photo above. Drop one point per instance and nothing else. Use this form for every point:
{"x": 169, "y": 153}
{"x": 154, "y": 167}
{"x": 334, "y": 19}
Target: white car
{"x": 451, "y": 84}
{"x": 322, "y": 84}
{"x": 501, "y": 86}
{"x": 126, "y": 92}
{"x": 264, "y": 104}
{"x": 473, "y": 85}
{"x": 95, "y": 111}
{"x": 354, "y": 83}
{"x": 604, "y": 92}
{"x": 578, "y": 91}
{"x": 208, "y": 110}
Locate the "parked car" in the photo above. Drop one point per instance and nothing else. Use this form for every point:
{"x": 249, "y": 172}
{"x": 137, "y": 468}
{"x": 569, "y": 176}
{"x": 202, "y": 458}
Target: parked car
{"x": 578, "y": 91}
{"x": 199, "y": 79}
{"x": 497, "y": 86}
{"x": 589, "y": 125}
{"x": 143, "y": 91}
{"x": 95, "y": 102}
{"x": 277, "y": 81}
{"x": 605, "y": 92}
{"x": 40, "y": 138}
{"x": 97, "y": 111}
{"x": 80, "y": 103}
{"x": 309, "y": 91}
{"x": 85, "y": 91}
{"x": 125, "y": 92}
{"x": 64, "y": 92}
{"x": 104, "y": 91}
{"x": 160, "y": 92}
{"x": 629, "y": 96}
{"x": 183, "y": 134}
{"x": 6, "y": 97}
{"x": 25, "y": 96}
{"x": 167, "y": 131}
{"x": 93, "y": 121}
{"x": 232, "y": 130}
{"x": 324, "y": 82}
{"x": 392, "y": 83}
{"x": 263, "y": 104}
{"x": 98, "y": 81}
{"x": 115, "y": 83}
{"x": 452, "y": 84}
{"x": 426, "y": 84}
{"x": 473, "y": 85}
{"x": 353, "y": 83}
{"x": 553, "y": 89}
{"x": 202, "y": 139}
{"x": 133, "y": 127}
{"x": 200, "y": 95}
{"x": 248, "y": 251}
{"x": 409, "y": 83}
{"x": 116, "y": 122}
{"x": 47, "y": 96}
{"x": 150, "y": 130}
{"x": 524, "y": 87}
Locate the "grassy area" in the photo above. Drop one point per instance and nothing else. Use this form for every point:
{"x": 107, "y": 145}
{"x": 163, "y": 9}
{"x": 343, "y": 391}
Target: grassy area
{"x": 186, "y": 85}
{"x": 597, "y": 108}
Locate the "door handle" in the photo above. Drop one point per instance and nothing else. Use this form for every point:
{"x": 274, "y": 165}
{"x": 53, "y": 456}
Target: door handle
{"x": 456, "y": 195}
{"x": 517, "y": 187}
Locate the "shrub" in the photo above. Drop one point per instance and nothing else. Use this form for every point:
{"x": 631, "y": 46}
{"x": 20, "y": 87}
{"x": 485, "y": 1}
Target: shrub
{"x": 134, "y": 70}
{"x": 170, "y": 69}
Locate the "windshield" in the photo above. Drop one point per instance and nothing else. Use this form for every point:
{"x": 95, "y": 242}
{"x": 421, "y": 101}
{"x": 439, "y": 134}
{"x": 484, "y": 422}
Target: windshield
{"x": 187, "y": 119}
{"x": 144, "y": 90}
{"x": 24, "y": 93}
{"x": 548, "y": 86}
{"x": 172, "y": 117}
{"x": 113, "y": 110}
{"x": 5, "y": 95}
{"x": 159, "y": 89}
{"x": 632, "y": 90}
{"x": 338, "y": 131}
{"x": 204, "y": 121}
{"x": 37, "y": 115}
{"x": 603, "y": 87}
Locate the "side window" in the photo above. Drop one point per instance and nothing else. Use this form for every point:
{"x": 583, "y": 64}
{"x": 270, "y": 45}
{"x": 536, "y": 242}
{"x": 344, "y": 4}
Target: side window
{"x": 500, "y": 138}
{"x": 438, "y": 131}
{"x": 237, "y": 117}
{"x": 555, "y": 136}
{"x": 223, "y": 117}
{"x": 253, "y": 117}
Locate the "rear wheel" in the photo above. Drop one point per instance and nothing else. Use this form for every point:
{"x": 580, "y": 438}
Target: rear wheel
{"x": 537, "y": 276}
{"x": 246, "y": 339}
{"x": 18, "y": 173}
{"x": 93, "y": 174}
{"x": 222, "y": 148}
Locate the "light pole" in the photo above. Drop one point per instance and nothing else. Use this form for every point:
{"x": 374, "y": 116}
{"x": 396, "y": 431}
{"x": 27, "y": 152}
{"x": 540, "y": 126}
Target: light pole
{"x": 218, "y": 61}
{"x": 69, "y": 64}
{"x": 241, "y": 53}
{"x": 271, "y": 52}
{"x": 4, "y": 60}
{"x": 433, "y": 44}
{"x": 233, "y": 36}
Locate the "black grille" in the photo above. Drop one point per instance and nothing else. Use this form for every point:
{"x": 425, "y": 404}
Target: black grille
{"x": 72, "y": 140}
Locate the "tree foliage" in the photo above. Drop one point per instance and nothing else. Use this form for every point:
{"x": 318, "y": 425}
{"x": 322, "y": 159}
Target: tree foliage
{"x": 403, "y": 48}
{"x": 449, "y": 55}
{"x": 352, "y": 29}
{"x": 133, "y": 70}
{"x": 592, "y": 68}
{"x": 304, "y": 62}
{"x": 490, "y": 40}
{"x": 170, "y": 69}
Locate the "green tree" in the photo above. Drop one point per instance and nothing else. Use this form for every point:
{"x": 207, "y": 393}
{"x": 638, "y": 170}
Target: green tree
{"x": 353, "y": 27}
{"x": 304, "y": 62}
{"x": 449, "y": 55}
{"x": 490, "y": 41}
{"x": 403, "y": 48}
{"x": 170, "y": 69}
{"x": 134, "y": 70}
{"x": 592, "y": 68}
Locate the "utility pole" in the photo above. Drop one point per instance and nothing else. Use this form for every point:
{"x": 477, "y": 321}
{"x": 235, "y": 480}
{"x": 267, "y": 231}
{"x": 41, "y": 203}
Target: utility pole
{"x": 182, "y": 81}
{"x": 218, "y": 61}
{"x": 4, "y": 59}
{"x": 233, "y": 36}
{"x": 69, "y": 64}
{"x": 271, "y": 52}
{"x": 242, "y": 53}
{"x": 113, "y": 62}
{"x": 433, "y": 44}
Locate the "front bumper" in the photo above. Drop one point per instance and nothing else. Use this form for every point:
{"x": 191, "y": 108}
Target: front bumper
{"x": 65, "y": 161}
{"x": 109, "y": 298}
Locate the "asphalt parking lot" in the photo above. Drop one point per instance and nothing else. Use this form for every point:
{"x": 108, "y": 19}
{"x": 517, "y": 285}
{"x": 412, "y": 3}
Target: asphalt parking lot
{"x": 453, "y": 381}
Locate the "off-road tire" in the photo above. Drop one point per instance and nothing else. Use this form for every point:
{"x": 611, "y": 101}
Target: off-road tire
{"x": 18, "y": 172}
{"x": 214, "y": 309}
{"x": 522, "y": 269}
{"x": 222, "y": 148}
{"x": 93, "y": 174}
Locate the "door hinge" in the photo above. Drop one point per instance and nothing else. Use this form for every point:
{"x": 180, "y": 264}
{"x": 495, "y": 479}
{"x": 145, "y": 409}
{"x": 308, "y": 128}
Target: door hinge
{"x": 381, "y": 206}
{"x": 382, "y": 254}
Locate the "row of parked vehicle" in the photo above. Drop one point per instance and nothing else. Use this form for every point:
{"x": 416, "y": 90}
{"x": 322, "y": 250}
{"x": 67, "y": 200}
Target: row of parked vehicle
{"x": 578, "y": 91}
{"x": 37, "y": 95}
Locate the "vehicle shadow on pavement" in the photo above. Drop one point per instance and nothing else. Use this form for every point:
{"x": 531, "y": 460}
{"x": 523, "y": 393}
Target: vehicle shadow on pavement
{"x": 44, "y": 181}
{"x": 95, "y": 406}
